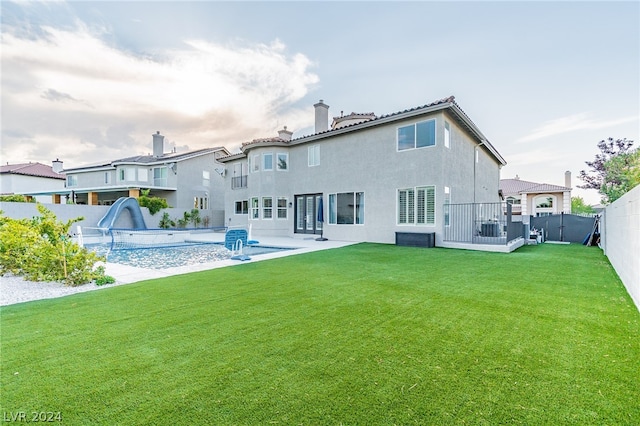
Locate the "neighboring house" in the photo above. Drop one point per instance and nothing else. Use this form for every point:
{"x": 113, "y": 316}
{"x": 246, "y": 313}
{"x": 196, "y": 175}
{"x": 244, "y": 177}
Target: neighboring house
{"x": 186, "y": 180}
{"x": 31, "y": 177}
{"x": 537, "y": 199}
{"x": 375, "y": 176}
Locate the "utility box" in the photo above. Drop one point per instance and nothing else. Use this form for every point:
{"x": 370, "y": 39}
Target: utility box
{"x": 416, "y": 239}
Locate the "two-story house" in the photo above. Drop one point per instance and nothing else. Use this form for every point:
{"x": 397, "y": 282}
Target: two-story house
{"x": 27, "y": 177}
{"x": 375, "y": 175}
{"x": 537, "y": 199}
{"x": 186, "y": 180}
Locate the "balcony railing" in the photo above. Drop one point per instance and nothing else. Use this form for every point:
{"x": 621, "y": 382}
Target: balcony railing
{"x": 239, "y": 182}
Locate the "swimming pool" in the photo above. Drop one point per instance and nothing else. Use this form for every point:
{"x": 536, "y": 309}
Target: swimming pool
{"x": 183, "y": 255}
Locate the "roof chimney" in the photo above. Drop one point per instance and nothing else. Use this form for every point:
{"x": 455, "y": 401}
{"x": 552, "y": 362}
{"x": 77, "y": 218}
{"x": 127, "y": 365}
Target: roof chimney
{"x": 567, "y": 179}
{"x": 56, "y": 165}
{"x": 322, "y": 117}
{"x": 158, "y": 144}
{"x": 285, "y": 134}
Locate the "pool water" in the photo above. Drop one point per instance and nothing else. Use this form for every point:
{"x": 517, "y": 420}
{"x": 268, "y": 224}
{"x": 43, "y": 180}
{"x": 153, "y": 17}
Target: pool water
{"x": 169, "y": 257}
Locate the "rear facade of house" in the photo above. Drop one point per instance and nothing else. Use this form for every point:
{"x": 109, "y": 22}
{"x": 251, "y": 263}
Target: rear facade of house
{"x": 375, "y": 178}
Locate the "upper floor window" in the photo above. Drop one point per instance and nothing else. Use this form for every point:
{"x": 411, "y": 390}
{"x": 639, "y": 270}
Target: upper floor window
{"x": 417, "y": 135}
{"x": 267, "y": 162}
{"x": 239, "y": 179}
{"x": 160, "y": 176}
{"x": 205, "y": 177}
{"x": 447, "y": 135}
{"x": 107, "y": 177}
{"x": 72, "y": 180}
{"x": 313, "y": 155}
{"x": 544, "y": 202}
{"x": 255, "y": 163}
{"x": 282, "y": 161}
{"x": 127, "y": 174}
{"x": 512, "y": 200}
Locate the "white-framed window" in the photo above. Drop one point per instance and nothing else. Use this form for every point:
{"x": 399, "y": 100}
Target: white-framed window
{"x": 267, "y": 161}
{"x": 346, "y": 208}
{"x": 72, "y": 180}
{"x": 267, "y": 208}
{"x": 255, "y": 208}
{"x": 447, "y": 201}
{"x": 447, "y": 135}
{"x": 160, "y": 176}
{"x": 313, "y": 155}
{"x": 143, "y": 175}
{"x": 242, "y": 207}
{"x": 107, "y": 177}
{"x": 418, "y": 135}
{"x": 127, "y": 174}
{"x": 282, "y": 208}
{"x": 206, "y": 175}
{"x": 255, "y": 163}
{"x": 201, "y": 203}
{"x": 282, "y": 161}
{"x": 416, "y": 206}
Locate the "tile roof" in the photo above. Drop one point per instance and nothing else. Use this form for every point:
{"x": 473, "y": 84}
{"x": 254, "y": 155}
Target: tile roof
{"x": 519, "y": 186}
{"x": 31, "y": 169}
{"x": 443, "y": 103}
{"x": 150, "y": 159}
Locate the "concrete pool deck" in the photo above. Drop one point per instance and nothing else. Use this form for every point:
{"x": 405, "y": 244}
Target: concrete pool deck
{"x": 130, "y": 274}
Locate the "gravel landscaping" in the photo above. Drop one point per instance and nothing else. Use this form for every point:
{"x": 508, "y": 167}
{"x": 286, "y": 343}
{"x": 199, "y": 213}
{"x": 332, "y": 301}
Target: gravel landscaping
{"x": 16, "y": 290}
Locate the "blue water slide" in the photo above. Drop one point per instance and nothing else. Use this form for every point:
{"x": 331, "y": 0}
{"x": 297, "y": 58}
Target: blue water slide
{"x": 116, "y": 209}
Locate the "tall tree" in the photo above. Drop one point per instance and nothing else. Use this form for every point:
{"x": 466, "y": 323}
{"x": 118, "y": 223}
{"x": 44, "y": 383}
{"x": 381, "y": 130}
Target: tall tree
{"x": 599, "y": 178}
{"x": 623, "y": 174}
{"x": 579, "y": 206}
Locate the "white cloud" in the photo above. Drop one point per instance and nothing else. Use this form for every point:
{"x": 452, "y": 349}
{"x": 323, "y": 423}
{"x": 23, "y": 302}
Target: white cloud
{"x": 70, "y": 93}
{"x": 572, "y": 123}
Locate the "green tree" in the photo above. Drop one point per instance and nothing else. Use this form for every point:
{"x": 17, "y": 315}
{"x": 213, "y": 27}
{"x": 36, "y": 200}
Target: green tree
{"x": 608, "y": 171}
{"x": 578, "y": 206}
{"x": 622, "y": 175}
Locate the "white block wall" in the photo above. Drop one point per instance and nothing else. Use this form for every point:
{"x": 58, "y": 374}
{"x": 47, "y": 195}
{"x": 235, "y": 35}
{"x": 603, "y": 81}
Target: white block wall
{"x": 620, "y": 240}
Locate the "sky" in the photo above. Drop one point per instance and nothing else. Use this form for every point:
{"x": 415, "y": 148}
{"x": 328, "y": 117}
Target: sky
{"x": 91, "y": 81}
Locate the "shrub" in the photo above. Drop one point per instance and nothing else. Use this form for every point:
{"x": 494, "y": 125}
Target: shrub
{"x": 16, "y": 198}
{"x": 154, "y": 204}
{"x": 195, "y": 218}
{"x": 40, "y": 250}
{"x": 166, "y": 222}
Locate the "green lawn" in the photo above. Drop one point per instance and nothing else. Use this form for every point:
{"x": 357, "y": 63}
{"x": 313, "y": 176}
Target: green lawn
{"x": 367, "y": 334}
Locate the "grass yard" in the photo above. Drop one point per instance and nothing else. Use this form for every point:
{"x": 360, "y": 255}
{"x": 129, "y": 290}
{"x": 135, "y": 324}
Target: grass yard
{"x": 366, "y": 334}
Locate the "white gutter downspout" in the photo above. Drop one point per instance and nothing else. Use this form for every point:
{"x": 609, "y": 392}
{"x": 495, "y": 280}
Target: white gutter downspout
{"x": 475, "y": 158}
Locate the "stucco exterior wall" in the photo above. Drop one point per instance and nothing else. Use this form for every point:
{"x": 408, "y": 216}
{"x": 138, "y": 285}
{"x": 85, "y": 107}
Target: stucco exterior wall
{"x": 15, "y": 184}
{"x": 368, "y": 161}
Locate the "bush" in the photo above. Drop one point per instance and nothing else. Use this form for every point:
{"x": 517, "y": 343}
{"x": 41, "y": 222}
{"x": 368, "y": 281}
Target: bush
{"x": 40, "y": 250}
{"x": 16, "y": 198}
{"x": 154, "y": 204}
{"x": 166, "y": 222}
